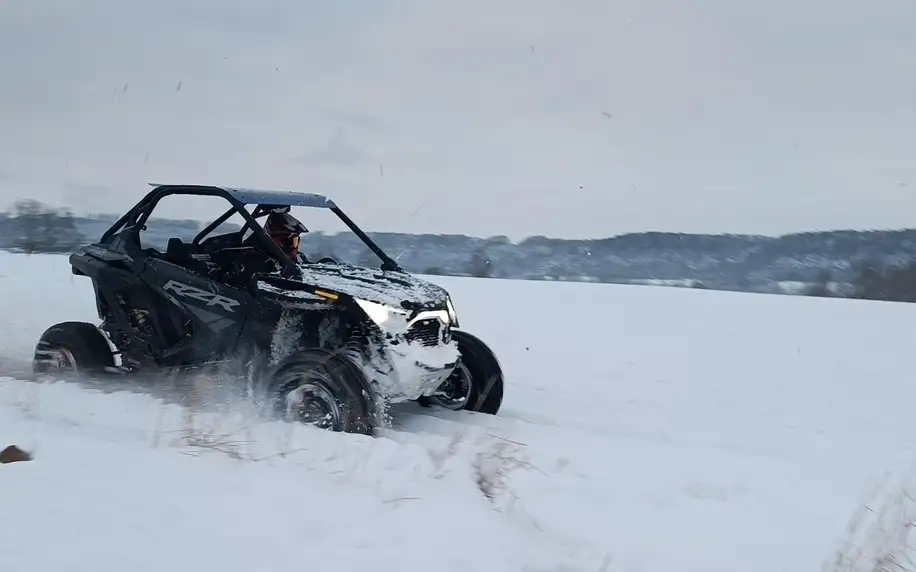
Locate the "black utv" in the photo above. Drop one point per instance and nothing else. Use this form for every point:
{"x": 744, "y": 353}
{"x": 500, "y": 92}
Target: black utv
{"x": 322, "y": 342}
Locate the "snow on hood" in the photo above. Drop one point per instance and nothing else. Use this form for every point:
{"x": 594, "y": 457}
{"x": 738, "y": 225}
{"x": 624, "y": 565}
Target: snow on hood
{"x": 382, "y": 286}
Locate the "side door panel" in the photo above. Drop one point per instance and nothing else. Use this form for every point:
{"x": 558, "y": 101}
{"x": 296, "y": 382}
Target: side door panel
{"x": 218, "y": 311}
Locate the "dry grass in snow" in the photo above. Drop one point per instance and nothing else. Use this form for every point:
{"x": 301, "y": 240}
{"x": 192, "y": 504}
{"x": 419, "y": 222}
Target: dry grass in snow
{"x": 878, "y": 537}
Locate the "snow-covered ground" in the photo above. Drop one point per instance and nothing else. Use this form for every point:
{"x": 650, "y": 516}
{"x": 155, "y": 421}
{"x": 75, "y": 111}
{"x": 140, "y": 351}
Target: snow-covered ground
{"x": 644, "y": 428}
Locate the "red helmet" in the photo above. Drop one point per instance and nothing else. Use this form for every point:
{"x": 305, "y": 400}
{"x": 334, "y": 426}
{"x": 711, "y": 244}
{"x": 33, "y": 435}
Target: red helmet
{"x": 285, "y": 229}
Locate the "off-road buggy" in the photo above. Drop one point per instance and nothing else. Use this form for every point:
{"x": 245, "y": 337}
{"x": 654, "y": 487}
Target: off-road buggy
{"x": 323, "y": 342}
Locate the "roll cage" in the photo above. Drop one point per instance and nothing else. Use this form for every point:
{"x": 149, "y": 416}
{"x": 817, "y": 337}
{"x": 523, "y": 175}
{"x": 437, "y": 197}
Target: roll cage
{"x": 239, "y": 199}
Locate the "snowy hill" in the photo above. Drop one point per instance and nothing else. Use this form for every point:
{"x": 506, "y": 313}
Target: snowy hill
{"x": 643, "y": 428}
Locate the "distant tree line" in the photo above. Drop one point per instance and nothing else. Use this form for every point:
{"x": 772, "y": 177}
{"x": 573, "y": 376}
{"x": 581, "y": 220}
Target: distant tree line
{"x": 33, "y": 226}
{"x": 873, "y": 281}
{"x": 878, "y": 265}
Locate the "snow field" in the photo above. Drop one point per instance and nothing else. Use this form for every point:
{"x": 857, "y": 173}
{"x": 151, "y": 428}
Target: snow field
{"x": 643, "y": 428}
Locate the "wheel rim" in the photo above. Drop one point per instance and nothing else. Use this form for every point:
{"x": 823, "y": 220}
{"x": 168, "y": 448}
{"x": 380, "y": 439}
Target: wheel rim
{"x": 60, "y": 360}
{"x": 312, "y": 403}
{"x": 455, "y": 391}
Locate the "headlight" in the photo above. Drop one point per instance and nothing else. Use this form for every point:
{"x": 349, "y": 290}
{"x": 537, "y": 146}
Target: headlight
{"x": 452, "y": 314}
{"x": 379, "y": 313}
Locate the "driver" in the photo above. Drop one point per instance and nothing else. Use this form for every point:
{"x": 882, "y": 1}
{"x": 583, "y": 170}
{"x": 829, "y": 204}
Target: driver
{"x": 285, "y": 230}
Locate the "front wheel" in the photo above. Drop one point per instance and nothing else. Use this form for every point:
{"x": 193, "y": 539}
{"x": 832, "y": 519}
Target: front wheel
{"x": 322, "y": 388}
{"x": 477, "y": 382}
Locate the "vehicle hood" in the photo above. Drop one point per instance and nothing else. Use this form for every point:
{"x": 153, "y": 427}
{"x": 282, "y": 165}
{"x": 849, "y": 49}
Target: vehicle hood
{"x": 398, "y": 289}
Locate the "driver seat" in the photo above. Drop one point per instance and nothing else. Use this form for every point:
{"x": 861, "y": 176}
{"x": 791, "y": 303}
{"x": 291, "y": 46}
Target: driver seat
{"x": 184, "y": 255}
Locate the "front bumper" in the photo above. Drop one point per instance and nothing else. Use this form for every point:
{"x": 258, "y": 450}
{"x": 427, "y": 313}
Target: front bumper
{"x": 419, "y": 370}
{"x": 421, "y": 355}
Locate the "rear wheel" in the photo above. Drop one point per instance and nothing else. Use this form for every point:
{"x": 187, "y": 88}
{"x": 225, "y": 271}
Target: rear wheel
{"x": 73, "y": 348}
{"x": 477, "y": 382}
{"x": 324, "y": 389}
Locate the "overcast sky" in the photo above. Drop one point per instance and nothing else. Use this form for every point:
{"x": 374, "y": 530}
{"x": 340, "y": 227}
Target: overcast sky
{"x": 579, "y": 118}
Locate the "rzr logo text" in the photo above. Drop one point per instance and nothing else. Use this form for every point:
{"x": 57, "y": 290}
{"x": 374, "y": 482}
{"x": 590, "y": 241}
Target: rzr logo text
{"x": 210, "y": 298}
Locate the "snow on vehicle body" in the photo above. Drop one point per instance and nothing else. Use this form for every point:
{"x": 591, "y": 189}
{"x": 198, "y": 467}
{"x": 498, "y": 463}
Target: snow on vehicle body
{"x": 414, "y": 349}
{"x": 348, "y": 338}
